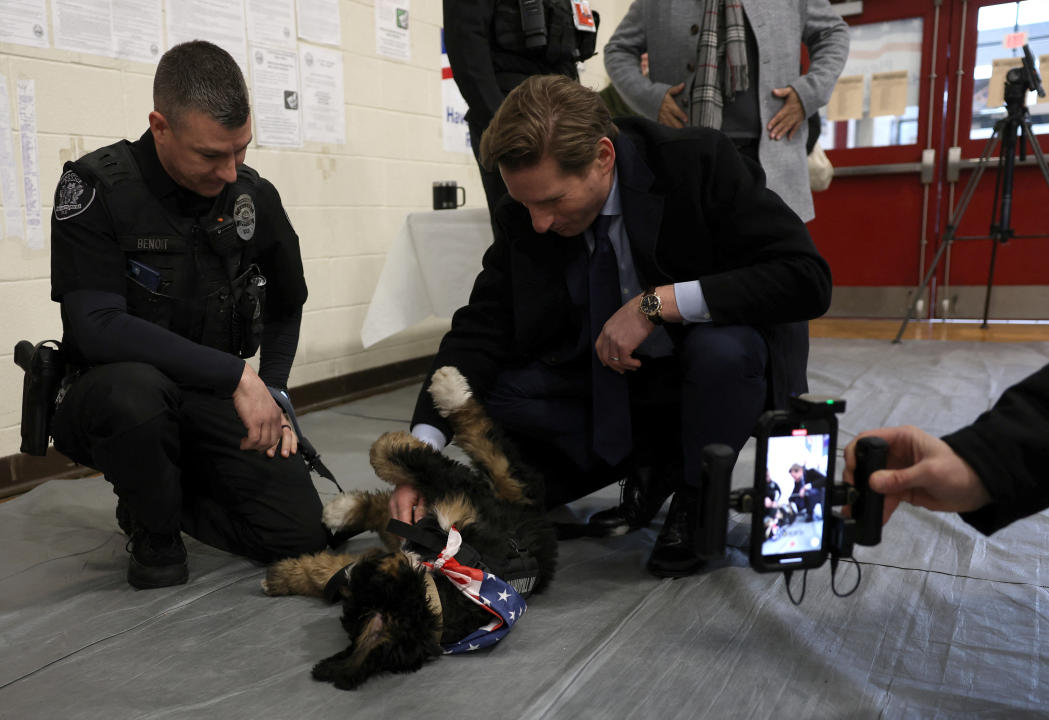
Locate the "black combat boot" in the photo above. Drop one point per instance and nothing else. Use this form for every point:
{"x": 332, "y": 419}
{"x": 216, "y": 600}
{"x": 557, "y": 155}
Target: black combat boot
{"x": 675, "y": 553}
{"x": 157, "y": 560}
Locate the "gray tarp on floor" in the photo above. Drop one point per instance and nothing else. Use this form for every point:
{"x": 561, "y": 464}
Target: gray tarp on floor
{"x": 946, "y": 623}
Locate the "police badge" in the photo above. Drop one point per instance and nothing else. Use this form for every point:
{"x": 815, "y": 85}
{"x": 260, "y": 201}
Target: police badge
{"x": 244, "y": 215}
{"x": 69, "y": 196}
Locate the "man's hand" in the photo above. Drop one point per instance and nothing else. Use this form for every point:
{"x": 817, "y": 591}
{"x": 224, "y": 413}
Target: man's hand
{"x": 406, "y": 505}
{"x": 628, "y": 328}
{"x": 670, "y": 113}
{"x": 289, "y": 441}
{"x": 621, "y": 335}
{"x": 921, "y": 470}
{"x": 258, "y": 411}
{"x": 790, "y": 116}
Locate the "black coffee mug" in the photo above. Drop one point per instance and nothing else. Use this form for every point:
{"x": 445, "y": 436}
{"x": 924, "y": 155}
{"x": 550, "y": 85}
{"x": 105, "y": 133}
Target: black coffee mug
{"x": 446, "y": 195}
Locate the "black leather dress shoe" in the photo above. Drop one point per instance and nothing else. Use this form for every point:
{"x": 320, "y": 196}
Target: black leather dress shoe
{"x": 641, "y": 495}
{"x": 674, "y": 554}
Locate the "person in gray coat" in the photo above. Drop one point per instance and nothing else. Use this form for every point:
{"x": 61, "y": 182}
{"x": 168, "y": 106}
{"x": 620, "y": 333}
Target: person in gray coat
{"x": 740, "y": 75}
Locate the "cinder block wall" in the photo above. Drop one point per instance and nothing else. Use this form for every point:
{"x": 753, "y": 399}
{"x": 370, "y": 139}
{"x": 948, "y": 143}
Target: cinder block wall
{"x": 346, "y": 201}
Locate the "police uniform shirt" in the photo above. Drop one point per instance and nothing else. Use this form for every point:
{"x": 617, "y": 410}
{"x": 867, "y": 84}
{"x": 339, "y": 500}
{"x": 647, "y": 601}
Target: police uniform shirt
{"x": 86, "y": 255}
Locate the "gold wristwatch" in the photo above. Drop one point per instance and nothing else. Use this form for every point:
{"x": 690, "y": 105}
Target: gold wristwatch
{"x": 652, "y": 306}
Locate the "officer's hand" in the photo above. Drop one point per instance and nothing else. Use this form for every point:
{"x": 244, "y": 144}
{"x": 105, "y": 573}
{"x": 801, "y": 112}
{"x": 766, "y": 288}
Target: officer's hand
{"x": 790, "y": 116}
{"x": 670, "y": 113}
{"x": 406, "y": 505}
{"x": 258, "y": 411}
{"x": 289, "y": 441}
{"x": 922, "y": 470}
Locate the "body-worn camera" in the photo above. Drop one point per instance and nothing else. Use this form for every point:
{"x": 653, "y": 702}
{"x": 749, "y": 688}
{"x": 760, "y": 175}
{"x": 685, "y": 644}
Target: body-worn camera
{"x": 794, "y": 525}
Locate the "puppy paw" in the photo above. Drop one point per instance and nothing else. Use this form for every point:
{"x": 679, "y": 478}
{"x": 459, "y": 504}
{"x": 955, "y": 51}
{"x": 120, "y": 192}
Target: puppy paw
{"x": 449, "y": 390}
{"x": 276, "y": 580}
{"x": 340, "y": 511}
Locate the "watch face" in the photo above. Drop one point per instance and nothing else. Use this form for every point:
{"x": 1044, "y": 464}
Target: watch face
{"x": 650, "y": 304}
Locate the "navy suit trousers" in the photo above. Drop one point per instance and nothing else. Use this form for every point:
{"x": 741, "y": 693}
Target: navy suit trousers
{"x": 711, "y": 390}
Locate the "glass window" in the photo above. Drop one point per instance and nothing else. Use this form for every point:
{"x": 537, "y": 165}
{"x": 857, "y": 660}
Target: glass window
{"x": 993, "y": 24}
{"x": 875, "y": 103}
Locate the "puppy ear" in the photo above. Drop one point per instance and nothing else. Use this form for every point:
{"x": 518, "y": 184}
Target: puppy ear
{"x": 351, "y": 667}
{"x": 382, "y": 645}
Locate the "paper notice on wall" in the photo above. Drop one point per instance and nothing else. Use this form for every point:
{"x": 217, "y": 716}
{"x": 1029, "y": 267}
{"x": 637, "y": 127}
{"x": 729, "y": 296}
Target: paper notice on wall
{"x": 319, "y": 21}
{"x": 83, "y": 26}
{"x": 24, "y": 22}
{"x": 275, "y": 79}
{"x": 888, "y": 93}
{"x": 30, "y": 170}
{"x": 9, "y": 196}
{"x": 138, "y": 30}
{"x": 392, "y": 38}
{"x": 271, "y": 23}
{"x": 996, "y": 85}
{"x": 846, "y": 102}
{"x": 455, "y": 130}
{"x": 323, "y": 95}
{"x": 217, "y": 21}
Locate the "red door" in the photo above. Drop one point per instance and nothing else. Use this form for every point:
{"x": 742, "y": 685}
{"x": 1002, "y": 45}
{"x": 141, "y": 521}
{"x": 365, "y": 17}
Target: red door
{"x": 905, "y": 98}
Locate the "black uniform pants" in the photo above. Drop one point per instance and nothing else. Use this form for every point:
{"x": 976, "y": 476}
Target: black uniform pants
{"x": 173, "y": 456}
{"x": 711, "y": 390}
{"x": 494, "y": 187}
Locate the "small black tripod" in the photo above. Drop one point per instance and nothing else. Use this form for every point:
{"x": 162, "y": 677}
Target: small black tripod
{"x": 1018, "y": 82}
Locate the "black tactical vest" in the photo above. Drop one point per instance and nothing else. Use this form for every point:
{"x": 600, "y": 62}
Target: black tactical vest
{"x": 187, "y": 275}
{"x": 564, "y": 47}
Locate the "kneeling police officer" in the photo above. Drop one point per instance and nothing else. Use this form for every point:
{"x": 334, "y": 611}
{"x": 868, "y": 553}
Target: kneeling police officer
{"x": 173, "y": 261}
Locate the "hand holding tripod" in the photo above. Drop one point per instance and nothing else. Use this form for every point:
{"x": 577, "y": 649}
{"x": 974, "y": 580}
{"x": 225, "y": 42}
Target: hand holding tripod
{"x": 1018, "y": 82}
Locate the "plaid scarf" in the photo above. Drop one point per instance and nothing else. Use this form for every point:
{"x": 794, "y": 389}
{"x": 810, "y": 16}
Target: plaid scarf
{"x": 721, "y": 62}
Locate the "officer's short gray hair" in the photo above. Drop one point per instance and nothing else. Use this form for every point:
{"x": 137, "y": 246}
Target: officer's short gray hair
{"x": 201, "y": 76}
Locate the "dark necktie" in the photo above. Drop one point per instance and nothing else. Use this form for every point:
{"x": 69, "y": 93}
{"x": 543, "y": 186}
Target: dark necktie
{"x": 610, "y": 390}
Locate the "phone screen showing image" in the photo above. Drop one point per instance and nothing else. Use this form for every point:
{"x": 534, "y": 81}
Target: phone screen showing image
{"x": 792, "y": 484}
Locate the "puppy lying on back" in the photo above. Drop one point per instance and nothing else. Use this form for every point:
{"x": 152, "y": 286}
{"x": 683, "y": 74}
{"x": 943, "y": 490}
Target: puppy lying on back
{"x": 459, "y": 581}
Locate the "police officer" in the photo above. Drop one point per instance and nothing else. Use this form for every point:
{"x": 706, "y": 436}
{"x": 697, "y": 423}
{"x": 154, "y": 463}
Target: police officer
{"x": 173, "y": 261}
{"x": 493, "y": 45}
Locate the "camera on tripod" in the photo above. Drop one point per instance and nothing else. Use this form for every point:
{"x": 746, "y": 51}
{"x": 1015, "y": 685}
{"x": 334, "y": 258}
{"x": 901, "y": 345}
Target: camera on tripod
{"x": 1021, "y": 80}
{"x": 794, "y": 525}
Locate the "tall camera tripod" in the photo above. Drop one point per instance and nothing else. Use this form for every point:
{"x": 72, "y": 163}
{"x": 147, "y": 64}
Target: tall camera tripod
{"x": 1018, "y": 82}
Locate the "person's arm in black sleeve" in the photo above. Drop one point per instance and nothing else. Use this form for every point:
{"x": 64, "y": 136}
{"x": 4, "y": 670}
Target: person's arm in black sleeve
{"x": 103, "y": 331}
{"x": 467, "y": 38}
{"x": 1008, "y": 449}
{"x": 767, "y": 269}
{"x": 280, "y": 340}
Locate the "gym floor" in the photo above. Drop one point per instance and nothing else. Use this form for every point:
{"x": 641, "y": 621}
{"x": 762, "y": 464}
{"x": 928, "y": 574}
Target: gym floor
{"x": 945, "y": 622}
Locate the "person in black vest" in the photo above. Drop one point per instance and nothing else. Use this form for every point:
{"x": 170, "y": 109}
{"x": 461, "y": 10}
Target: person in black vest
{"x": 491, "y": 51}
{"x": 633, "y": 307}
{"x": 173, "y": 261}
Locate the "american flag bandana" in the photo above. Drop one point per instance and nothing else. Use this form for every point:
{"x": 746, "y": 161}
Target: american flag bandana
{"x": 491, "y": 593}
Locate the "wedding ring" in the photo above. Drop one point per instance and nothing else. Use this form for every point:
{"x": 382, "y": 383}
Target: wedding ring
{"x": 613, "y": 358}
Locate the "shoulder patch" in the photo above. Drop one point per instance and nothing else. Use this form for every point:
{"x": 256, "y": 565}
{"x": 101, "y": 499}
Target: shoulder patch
{"x": 73, "y": 196}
